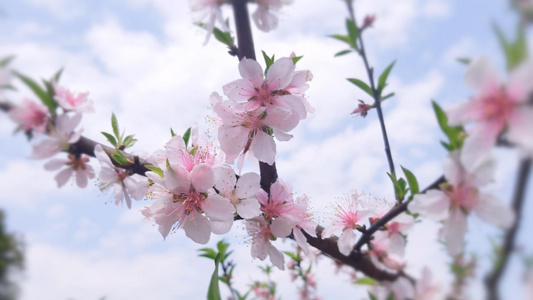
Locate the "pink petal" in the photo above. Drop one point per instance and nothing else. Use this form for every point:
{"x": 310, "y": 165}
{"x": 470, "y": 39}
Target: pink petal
{"x": 224, "y": 179}
{"x": 301, "y": 240}
{"x": 136, "y": 185}
{"x": 63, "y": 177}
{"x": 492, "y": 211}
{"x": 118, "y": 193}
{"x": 202, "y": 177}
{"x": 81, "y": 178}
{"x": 433, "y": 204}
{"x": 478, "y": 145}
{"x": 453, "y": 170}
{"x": 280, "y": 74}
{"x": 454, "y": 231}
{"x": 177, "y": 179}
{"x": 481, "y": 75}
{"x": 218, "y": 208}
{"x": 282, "y": 227}
{"x": 264, "y": 20}
{"x": 232, "y": 140}
{"x": 519, "y": 84}
{"x": 221, "y": 227}
{"x": 45, "y": 149}
{"x": 521, "y": 128}
{"x": 55, "y": 164}
{"x": 102, "y": 156}
{"x": 247, "y": 186}
{"x": 276, "y": 257}
{"x": 346, "y": 241}
{"x": 251, "y": 71}
{"x": 264, "y": 148}
{"x": 248, "y": 208}
{"x": 197, "y": 227}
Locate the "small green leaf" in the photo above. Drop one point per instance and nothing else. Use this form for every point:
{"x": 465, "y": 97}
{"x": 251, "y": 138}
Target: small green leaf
{"x": 172, "y": 133}
{"x": 455, "y": 134}
{"x": 40, "y": 92}
{"x": 464, "y": 61}
{"x": 343, "y": 38}
{"x": 110, "y": 138}
{"x": 386, "y": 97}
{"x": 353, "y": 32}
{"x": 371, "y": 296}
{"x": 114, "y": 124}
{"x": 292, "y": 255}
{"x": 268, "y": 61}
{"x": 362, "y": 85}
{"x": 6, "y": 60}
{"x": 397, "y": 187}
{"x": 223, "y": 37}
{"x": 129, "y": 141}
{"x": 214, "y": 292}
{"x": 120, "y": 158}
{"x": 366, "y": 280}
{"x": 391, "y": 296}
{"x": 187, "y": 136}
{"x": 296, "y": 59}
{"x": 411, "y": 179}
{"x": 515, "y": 52}
{"x": 382, "y": 81}
{"x": 57, "y": 75}
{"x": 155, "y": 169}
{"x": 343, "y": 52}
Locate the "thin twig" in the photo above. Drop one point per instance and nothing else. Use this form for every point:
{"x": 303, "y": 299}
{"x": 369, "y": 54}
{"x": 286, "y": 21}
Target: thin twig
{"x": 492, "y": 281}
{"x": 377, "y": 102}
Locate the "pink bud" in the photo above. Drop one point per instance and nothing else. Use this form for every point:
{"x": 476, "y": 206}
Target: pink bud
{"x": 362, "y": 109}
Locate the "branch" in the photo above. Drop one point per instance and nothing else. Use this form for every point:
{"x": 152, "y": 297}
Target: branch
{"x": 377, "y": 102}
{"x": 86, "y": 146}
{"x": 393, "y": 213}
{"x": 492, "y": 281}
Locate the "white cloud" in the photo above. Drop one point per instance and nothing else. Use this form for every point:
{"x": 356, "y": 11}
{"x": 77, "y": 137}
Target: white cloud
{"x": 64, "y": 9}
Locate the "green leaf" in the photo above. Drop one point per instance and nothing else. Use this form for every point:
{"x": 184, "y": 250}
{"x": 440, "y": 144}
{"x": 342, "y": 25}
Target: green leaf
{"x": 172, "y": 133}
{"x": 110, "y": 138}
{"x": 464, "y": 61}
{"x": 343, "y": 38}
{"x": 57, "y": 75}
{"x": 208, "y": 252}
{"x": 129, "y": 141}
{"x": 296, "y": 59}
{"x": 187, "y": 136}
{"x": 366, "y": 280}
{"x": 362, "y": 85}
{"x": 155, "y": 169}
{"x": 343, "y": 52}
{"x": 268, "y": 61}
{"x": 114, "y": 124}
{"x": 353, "y": 32}
{"x": 40, "y": 92}
{"x": 515, "y": 52}
{"x": 214, "y": 292}
{"x": 223, "y": 37}
{"x": 382, "y": 81}
{"x": 120, "y": 158}
{"x": 386, "y": 97}
{"x": 455, "y": 134}
{"x": 6, "y": 60}
{"x": 292, "y": 255}
{"x": 391, "y": 296}
{"x": 371, "y": 296}
{"x": 411, "y": 179}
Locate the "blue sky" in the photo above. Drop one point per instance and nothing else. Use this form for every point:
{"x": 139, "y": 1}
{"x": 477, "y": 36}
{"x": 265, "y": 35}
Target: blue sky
{"x": 144, "y": 60}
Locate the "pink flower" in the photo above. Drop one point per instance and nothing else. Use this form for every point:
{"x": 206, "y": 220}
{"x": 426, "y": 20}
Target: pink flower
{"x": 31, "y": 116}
{"x": 362, "y": 109}
{"x": 255, "y": 90}
{"x": 496, "y": 108}
{"x": 261, "y": 235}
{"x": 75, "y": 165}
{"x": 458, "y": 198}
{"x": 186, "y": 199}
{"x": 250, "y": 131}
{"x": 263, "y": 18}
{"x": 72, "y": 102}
{"x": 385, "y": 251}
{"x": 210, "y": 10}
{"x": 426, "y": 288}
{"x": 62, "y": 134}
{"x": 351, "y": 212}
{"x": 123, "y": 184}
{"x": 240, "y": 193}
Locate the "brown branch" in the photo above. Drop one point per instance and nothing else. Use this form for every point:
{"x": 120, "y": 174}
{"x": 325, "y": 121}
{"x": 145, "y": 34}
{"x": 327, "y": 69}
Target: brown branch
{"x": 492, "y": 281}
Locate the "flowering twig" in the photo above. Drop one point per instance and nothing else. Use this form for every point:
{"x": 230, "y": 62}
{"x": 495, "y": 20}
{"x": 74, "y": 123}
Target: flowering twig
{"x": 86, "y": 146}
{"x": 492, "y": 281}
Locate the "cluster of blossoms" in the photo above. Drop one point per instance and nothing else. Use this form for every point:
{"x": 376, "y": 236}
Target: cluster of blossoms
{"x": 260, "y": 106}
{"x": 60, "y": 128}
{"x": 208, "y": 12}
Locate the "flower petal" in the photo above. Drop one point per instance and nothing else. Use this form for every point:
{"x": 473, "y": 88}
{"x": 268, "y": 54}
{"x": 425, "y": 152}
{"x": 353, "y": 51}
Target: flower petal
{"x": 346, "y": 241}
{"x": 454, "y": 231}
{"x": 197, "y": 227}
{"x": 492, "y": 211}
